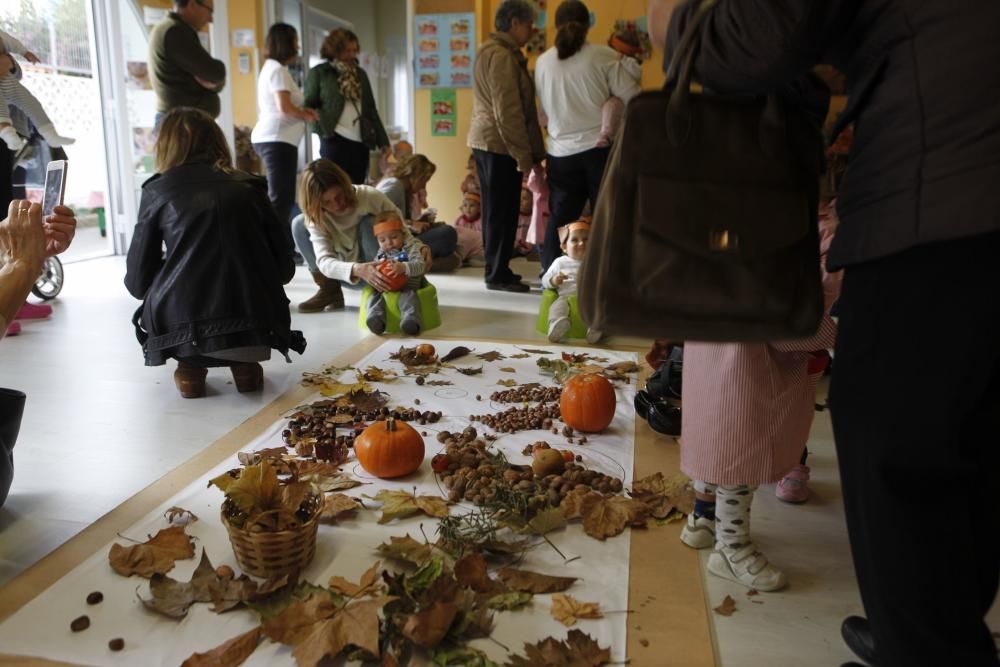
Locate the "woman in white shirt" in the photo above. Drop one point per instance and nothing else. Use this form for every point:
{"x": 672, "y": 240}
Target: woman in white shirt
{"x": 573, "y": 80}
{"x": 280, "y": 118}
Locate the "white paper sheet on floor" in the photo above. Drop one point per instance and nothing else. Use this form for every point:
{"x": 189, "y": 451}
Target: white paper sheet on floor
{"x": 41, "y": 628}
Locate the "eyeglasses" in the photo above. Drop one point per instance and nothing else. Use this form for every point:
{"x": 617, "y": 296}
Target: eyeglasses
{"x": 201, "y": 3}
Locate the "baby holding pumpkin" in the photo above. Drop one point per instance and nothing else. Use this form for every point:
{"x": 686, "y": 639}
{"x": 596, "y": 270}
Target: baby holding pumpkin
{"x": 400, "y": 260}
{"x": 561, "y": 276}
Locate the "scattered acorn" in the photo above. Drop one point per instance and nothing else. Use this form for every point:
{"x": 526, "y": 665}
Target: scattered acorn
{"x": 224, "y": 572}
{"x": 116, "y": 644}
{"x": 426, "y": 350}
{"x": 420, "y": 381}
{"x": 416, "y": 401}
{"x": 80, "y": 624}
{"x": 95, "y": 598}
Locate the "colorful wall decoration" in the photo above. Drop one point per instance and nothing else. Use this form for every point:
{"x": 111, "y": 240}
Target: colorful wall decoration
{"x": 444, "y": 112}
{"x": 446, "y": 50}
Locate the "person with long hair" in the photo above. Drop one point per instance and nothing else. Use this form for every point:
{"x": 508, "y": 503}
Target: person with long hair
{"x": 349, "y": 125}
{"x": 280, "y": 118}
{"x": 505, "y": 136}
{"x": 215, "y": 298}
{"x": 406, "y": 185}
{"x": 574, "y": 79}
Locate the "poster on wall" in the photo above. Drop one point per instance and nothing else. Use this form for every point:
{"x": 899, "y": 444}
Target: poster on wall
{"x": 537, "y": 42}
{"x": 444, "y": 112}
{"x": 638, "y": 28}
{"x": 446, "y": 50}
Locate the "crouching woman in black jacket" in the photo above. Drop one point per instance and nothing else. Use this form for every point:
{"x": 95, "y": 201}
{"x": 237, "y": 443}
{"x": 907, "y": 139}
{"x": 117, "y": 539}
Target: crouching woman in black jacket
{"x": 216, "y": 297}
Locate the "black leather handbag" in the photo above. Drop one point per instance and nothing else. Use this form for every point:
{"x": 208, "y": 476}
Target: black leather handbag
{"x": 11, "y": 409}
{"x": 705, "y": 227}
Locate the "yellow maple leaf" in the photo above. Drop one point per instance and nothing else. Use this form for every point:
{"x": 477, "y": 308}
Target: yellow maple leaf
{"x": 568, "y": 610}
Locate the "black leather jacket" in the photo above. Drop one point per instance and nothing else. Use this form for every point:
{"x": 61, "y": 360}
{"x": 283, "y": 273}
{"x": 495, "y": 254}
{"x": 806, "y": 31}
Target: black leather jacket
{"x": 219, "y": 285}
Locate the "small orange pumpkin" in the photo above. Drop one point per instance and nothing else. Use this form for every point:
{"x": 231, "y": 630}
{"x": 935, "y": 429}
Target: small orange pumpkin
{"x": 588, "y": 403}
{"x": 396, "y": 283}
{"x": 389, "y": 449}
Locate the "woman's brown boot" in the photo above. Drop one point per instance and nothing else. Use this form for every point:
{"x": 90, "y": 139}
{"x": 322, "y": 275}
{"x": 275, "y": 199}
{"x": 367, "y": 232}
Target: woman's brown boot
{"x": 330, "y": 295}
{"x": 190, "y": 380}
{"x": 248, "y": 377}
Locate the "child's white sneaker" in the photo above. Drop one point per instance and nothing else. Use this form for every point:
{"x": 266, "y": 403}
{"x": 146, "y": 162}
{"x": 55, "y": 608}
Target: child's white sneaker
{"x": 12, "y": 138}
{"x": 746, "y": 566}
{"x": 53, "y": 138}
{"x": 558, "y": 330}
{"x": 594, "y": 336}
{"x": 698, "y": 533}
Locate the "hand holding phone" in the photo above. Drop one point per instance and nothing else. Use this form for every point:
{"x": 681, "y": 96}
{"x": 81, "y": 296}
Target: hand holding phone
{"x": 55, "y": 186}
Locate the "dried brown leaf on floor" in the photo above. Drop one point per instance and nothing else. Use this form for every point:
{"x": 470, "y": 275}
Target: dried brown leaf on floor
{"x": 173, "y": 598}
{"x": 533, "y": 582}
{"x": 568, "y": 610}
{"x": 508, "y": 369}
{"x": 337, "y": 506}
{"x": 332, "y": 388}
{"x": 523, "y": 355}
{"x": 409, "y": 357}
{"x": 272, "y": 604}
{"x": 401, "y": 504}
{"x": 578, "y": 358}
{"x": 536, "y": 351}
{"x": 456, "y": 353}
{"x": 727, "y": 607}
{"x": 578, "y": 650}
{"x": 428, "y": 627}
{"x": 665, "y": 495}
{"x": 623, "y": 367}
{"x": 297, "y": 621}
{"x": 470, "y": 371}
{"x": 438, "y": 383}
{"x": 376, "y": 374}
{"x": 544, "y": 522}
{"x": 369, "y": 584}
{"x": 369, "y": 401}
{"x": 229, "y": 654}
{"x": 561, "y": 371}
{"x": 471, "y": 572}
{"x": 179, "y": 516}
{"x": 155, "y": 556}
{"x": 407, "y": 549}
{"x": 507, "y": 383}
{"x": 509, "y": 601}
{"x": 355, "y": 625}
{"x": 611, "y": 515}
{"x": 492, "y": 355}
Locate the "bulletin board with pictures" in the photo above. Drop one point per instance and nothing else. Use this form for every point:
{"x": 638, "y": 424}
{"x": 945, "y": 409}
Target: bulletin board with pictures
{"x": 446, "y": 50}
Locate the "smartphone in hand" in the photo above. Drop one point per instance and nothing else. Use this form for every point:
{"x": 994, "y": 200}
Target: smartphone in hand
{"x": 55, "y": 186}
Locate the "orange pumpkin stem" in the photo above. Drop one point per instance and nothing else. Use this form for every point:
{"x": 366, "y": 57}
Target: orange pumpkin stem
{"x": 390, "y": 424}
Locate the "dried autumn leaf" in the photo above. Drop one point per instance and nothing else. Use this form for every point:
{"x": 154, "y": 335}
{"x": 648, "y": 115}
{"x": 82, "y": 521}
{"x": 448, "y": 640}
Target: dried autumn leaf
{"x": 470, "y": 371}
{"x": 471, "y": 572}
{"x": 492, "y": 355}
{"x": 507, "y": 383}
{"x": 560, "y": 370}
{"x": 229, "y": 654}
{"x": 461, "y": 657}
{"x": 173, "y": 598}
{"x": 545, "y": 522}
{"x": 428, "y": 627}
{"x": 250, "y": 458}
{"x": 508, "y": 369}
{"x": 663, "y": 495}
{"x": 369, "y": 401}
{"x": 535, "y": 351}
{"x": 623, "y": 367}
{"x": 510, "y": 601}
{"x": 571, "y": 358}
{"x": 533, "y": 582}
{"x": 338, "y": 482}
{"x": 401, "y": 504}
{"x": 438, "y": 383}
{"x": 297, "y": 621}
{"x": 609, "y": 516}
{"x": 577, "y": 505}
{"x": 727, "y": 607}
{"x": 425, "y": 576}
{"x": 255, "y": 490}
{"x": 456, "y": 353}
{"x": 368, "y": 585}
{"x": 523, "y": 355}
{"x": 578, "y": 650}
{"x": 333, "y": 389}
{"x": 568, "y": 610}
{"x": 294, "y": 494}
{"x": 356, "y": 625}
{"x": 180, "y": 516}
{"x": 376, "y": 374}
{"x": 407, "y": 549}
{"x": 336, "y": 506}
{"x": 155, "y": 556}
{"x": 274, "y": 604}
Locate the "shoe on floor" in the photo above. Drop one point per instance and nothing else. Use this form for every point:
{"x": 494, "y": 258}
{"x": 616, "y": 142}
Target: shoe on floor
{"x": 746, "y": 566}
{"x": 559, "y": 329}
{"x": 664, "y": 418}
{"x": 857, "y": 634}
{"x": 13, "y": 328}
{"x": 247, "y": 377}
{"x": 509, "y": 287}
{"x": 446, "y": 264}
{"x": 190, "y": 380}
{"x": 31, "y": 311}
{"x": 698, "y": 532}
{"x": 794, "y": 486}
{"x": 594, "y": 336}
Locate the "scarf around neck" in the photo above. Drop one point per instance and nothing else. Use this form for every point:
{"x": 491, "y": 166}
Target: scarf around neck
{"x": 350, "y": 82}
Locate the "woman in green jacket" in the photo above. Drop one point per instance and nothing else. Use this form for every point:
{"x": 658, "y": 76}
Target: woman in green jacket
{"x": 349, "y": 126}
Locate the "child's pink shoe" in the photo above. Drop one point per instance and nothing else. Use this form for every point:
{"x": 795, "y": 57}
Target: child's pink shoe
{"x": 30, "y": 311}
{"x": 13, "y": 328}
{"x": 794, "y": 487}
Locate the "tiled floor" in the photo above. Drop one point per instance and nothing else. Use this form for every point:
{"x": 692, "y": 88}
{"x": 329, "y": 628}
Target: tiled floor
{"x": 100, "y": 426}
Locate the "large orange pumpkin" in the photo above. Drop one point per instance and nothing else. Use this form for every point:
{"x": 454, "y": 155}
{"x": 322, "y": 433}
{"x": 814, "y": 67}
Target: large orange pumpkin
{"x": 389, "y": 449}
{"x": 396, "y": 283}
{"x": 588, "y": 402}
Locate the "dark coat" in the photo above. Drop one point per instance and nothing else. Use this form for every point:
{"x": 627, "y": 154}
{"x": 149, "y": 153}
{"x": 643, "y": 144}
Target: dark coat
{"x": 219, "y": 285}
{"x": 322, "y": 92}
{"x": 924, "y": 94}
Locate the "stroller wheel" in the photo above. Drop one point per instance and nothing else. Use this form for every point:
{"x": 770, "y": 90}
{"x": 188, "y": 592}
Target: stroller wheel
{"x": 50, "y": 282}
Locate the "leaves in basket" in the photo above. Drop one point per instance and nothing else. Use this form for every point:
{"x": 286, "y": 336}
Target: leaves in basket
{"x": 229, "y": 654}
{"x": 179, "y": 516}
{"x": 470, "y": 371}
{"x": 355, "y": 625}
{"x": 407, "y": 549}
{"x": 492, "y": 355}
{"x": 254, "y": 490}
{"x": 370, "y": 584}
{"x": 604, "y": 516}
{"x": 533, "y": 582}
{"x": 401, "y": 504}
{"x": 568, "y": 610}
{"x": 173, "y": 598}
{"x": 155, "y": 556}
{"x": 337, "y": 506}
{"x": 456, "y": 353}
{"x": 578, "y": 650}
{"x": 510, "y": 601}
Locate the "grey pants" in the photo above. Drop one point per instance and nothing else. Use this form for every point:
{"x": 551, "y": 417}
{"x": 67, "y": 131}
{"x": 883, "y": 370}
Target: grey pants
{"x": 15, "y": 94}
{"x": 409, "y": 308}
{"x": 559, "y": 309}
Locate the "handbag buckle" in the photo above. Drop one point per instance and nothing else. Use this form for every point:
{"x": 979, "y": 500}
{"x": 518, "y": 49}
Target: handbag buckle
{"x": 723, "y": 240}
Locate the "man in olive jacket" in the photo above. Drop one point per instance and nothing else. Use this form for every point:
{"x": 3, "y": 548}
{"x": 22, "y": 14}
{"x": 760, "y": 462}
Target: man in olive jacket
{"x": 918, "y": 240}
{"x": 182, "y": 72}
{"x": 505, "y": 136}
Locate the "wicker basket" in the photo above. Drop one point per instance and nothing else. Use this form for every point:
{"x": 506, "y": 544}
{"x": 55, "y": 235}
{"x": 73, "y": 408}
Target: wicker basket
{"x": 270, "y": 554}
